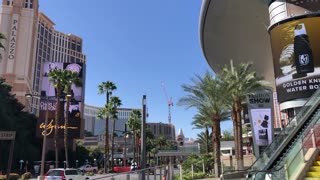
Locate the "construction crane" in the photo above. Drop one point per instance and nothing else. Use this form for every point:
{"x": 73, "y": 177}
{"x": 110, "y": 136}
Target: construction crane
{"x": 169, "y": 101}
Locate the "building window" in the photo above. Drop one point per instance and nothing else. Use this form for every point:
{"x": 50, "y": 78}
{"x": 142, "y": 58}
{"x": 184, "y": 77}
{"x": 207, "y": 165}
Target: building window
{"x": 9, "y": 2}
{"x": 78, "y": 48}
{"x": 73, "y": 46}
{"x": 28, "y": 4}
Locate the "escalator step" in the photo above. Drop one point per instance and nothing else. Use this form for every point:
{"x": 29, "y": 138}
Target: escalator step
{"x": 313, "y": 174}
{"x": 311, "y": 178}
{"x": 316, "y": 163}
{"x": 315, "y": 169}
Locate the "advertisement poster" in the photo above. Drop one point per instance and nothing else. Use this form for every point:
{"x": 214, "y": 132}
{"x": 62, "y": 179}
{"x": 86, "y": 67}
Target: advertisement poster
{"x": 74, "y": 112}
{"x": 261, "y": 120}
{"x": 260, "y": 109}
{"x": 296, "y": 57}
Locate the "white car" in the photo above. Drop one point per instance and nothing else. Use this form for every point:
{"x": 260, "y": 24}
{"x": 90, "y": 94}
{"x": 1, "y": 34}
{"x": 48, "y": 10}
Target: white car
{"x": 88, "y": 168}
{"x": 64, "y": 174}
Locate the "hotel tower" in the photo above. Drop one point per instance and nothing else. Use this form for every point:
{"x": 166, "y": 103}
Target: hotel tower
{"x": 32, "y": 48}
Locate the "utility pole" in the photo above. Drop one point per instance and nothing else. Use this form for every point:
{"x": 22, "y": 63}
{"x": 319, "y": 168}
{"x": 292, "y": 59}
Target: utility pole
{"x": 143, "y": 137}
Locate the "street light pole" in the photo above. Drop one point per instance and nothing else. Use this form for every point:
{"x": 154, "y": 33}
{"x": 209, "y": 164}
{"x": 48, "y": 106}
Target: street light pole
{"x": 125, "y": 146}
{"x": 143, "y": 136}
{"x": 43, "y": 155}
{"x": 44, "y": 143}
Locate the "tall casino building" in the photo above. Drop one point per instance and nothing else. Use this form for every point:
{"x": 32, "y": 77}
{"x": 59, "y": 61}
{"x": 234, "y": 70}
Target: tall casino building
{"x": 18, "y": 22}
{"x": 32, "y": 48}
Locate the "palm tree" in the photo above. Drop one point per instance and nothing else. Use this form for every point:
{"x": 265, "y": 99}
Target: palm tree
{"x": 205, "y": 142}
{"x": 227, "y": 135}
{"x": 58, "y": 78}
{"x": 115, "y": 102}
{"x": 134, "y": 123}
{"x": 161, "y": 142}
{"x": 154, "y": 151}
{"x": 106, "y": 87}
{"x": 240, "y": 81}
{"x": 150, "y": 143}
{"x": 70, "y": 78}
{"x": 202, "y": 121}
{"x": 2, "y": 37}
{"x": 207, "y": 94}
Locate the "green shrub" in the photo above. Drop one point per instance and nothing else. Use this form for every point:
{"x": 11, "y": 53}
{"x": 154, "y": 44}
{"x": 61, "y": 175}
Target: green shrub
{"x": 188, "y": 176}
{"x": 12, "y": 176}
{"x": 26, "y": 175}
{"x": 89, "y": 174}
{"x": 100, "y": 171}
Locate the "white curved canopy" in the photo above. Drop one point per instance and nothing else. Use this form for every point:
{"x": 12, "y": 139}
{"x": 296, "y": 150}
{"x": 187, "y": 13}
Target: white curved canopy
{"x": 236, "y": 29}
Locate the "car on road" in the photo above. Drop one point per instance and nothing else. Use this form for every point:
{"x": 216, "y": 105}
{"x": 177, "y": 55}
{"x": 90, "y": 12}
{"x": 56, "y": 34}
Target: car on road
{"x": 88, "y": 168}
{"x": 65, "y": 174}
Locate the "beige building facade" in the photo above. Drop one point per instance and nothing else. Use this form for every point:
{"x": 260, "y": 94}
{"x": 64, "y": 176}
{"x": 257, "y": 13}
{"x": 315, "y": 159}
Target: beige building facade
{"x": 18, "y": 22}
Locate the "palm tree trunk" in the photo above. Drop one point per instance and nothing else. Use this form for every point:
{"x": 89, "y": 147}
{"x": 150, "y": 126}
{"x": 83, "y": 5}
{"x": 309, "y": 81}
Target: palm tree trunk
{"x": 106, "y": 140}
{"x": 66, "y": 131}
{"x": 216, "y": 147}
{"x": 112, "y": 145}
{"x": 239, "y": 131}
{"x": 134, "y": 145}
{"x": 235, "y": 131}
{"x": 57, "y": 113}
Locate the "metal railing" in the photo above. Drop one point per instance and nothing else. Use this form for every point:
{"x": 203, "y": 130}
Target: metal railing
{"x": 151, "y": 173}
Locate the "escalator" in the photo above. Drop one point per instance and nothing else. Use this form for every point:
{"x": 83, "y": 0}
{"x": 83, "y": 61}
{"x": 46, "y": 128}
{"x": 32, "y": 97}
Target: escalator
{"x": 276, "y": 156}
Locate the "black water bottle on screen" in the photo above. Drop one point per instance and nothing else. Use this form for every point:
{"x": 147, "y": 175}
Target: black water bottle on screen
{"x": 302, "y": 52}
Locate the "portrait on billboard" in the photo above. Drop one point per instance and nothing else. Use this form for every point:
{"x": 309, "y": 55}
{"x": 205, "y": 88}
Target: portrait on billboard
{"x": 76, "y": 92}
{"x": 47, "y": 87}
{"x": 296, "y": 57}
{"x": 74, "y": 109}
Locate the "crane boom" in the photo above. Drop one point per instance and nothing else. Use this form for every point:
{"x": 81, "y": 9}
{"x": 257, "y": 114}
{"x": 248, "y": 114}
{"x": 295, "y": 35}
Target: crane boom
{"x": 169, "y": 101}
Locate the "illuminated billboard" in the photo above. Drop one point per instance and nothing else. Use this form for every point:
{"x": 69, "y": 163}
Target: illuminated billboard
{"x": 296, "y": 57}
{"x": 75, "y": 110}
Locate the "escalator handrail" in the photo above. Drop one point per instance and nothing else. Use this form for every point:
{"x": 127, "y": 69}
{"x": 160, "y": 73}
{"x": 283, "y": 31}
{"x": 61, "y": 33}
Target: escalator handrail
{"x": 304, "y": 116}
{"x": 307, "y": 134}
{"x": 290, "y": 136}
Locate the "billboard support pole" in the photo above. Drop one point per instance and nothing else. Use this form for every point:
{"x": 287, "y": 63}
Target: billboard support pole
{"x": 10, "y": 159}
{"x": 9, "y": 135}
{"x": 44, "y": 143}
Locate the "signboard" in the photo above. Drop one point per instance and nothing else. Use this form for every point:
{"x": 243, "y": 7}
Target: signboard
{"x": 260, "y": 109}
{"x": 75, "y": 109}
{"x": 300, "y": 7}
{"x": 296, "y": 57}
{"x": 13, "y": 37}
{"x": 7, "y": 135}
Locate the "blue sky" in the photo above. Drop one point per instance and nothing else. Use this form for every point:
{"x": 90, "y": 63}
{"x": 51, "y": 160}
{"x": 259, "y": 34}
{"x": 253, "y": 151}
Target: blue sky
{"x": 137, "y": 45}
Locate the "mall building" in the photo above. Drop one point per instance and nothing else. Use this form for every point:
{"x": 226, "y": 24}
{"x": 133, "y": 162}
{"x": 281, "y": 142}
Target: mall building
{"x": 266, "y": 33}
